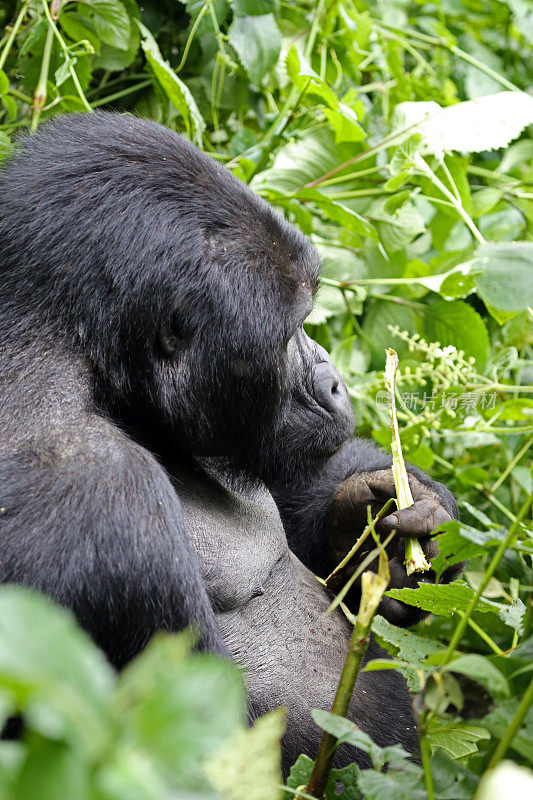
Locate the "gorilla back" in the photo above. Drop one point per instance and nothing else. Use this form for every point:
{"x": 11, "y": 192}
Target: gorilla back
{"x": 152, "y": 362}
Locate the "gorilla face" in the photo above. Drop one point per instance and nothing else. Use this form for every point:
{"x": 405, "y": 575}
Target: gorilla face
{"x": 183, "y": 290}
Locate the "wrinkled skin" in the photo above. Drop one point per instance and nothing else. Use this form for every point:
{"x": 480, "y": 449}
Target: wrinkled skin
{"x": 175, "y": 451}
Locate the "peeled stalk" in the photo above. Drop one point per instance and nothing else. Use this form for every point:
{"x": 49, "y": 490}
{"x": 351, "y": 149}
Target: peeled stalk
{"x": 415, "y": 560}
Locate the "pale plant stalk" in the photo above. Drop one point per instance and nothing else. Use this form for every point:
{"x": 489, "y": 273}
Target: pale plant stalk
{"x": 415, "y": 560}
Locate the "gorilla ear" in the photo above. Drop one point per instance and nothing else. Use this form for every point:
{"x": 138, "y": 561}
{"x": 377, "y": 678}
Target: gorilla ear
{"x": 168, "y": 341}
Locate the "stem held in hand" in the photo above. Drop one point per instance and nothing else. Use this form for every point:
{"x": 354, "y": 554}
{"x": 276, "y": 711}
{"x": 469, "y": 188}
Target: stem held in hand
{"x": 415, "y": 560}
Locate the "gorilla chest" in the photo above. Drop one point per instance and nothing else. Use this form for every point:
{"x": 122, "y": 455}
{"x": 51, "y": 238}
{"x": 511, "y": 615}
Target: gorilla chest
{"x": 239, "y": 538}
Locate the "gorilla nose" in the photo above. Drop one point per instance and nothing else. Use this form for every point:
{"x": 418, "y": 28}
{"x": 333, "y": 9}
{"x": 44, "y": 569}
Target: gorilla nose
{"x": 329, "y": 389}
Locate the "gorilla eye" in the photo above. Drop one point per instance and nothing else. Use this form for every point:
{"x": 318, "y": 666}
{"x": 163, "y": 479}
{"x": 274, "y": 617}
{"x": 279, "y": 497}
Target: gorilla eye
{"x": 169, "y": 341}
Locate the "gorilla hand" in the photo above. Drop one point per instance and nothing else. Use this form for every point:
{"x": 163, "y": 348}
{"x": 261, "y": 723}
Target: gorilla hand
{"x": 433, "y": 505}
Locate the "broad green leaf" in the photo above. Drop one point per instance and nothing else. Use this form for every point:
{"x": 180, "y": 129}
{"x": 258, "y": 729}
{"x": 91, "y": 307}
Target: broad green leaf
{"x": 350, "y": 733}
{"x": 404, "y": 782}
{"x": 513, "y": 615}
{"x": 170, "y": 703}
{"x": 484, "y": 200}
{"x": 444, "y": 600}
{"x": 407, "y": 646}
{"x": 306, "y": 79}
{"x": 52, "y": 770}
{"x": 506, "y": 278}
{"x": 78, "y": 27}
{"x": 302, "y": 161}
{"x": 113, "y": 59}
{"x": 458, "y": 542}
{"x": 498, "y": 721}
{"x": 458, "y": 324}
{"x": 458, "y": 285}
{"x": 481, "y": 670}
{"x": 458, "y": 739}
{"x": 344, "y": 123}
{"x": 513, "y": 410}
{"x": 485, "y": 123}
{"x": 257, "y": 42}
{"x": 248, "y": 767}
{"x": 4, "y": 82}
{"x": 347, "y": 777}
{"x": 177, "y": 92}
{"x": 245, "y": 8}
{"x": 397, "y": 229}
{"x": 46, "y": 658}
{"x": 111, "y": 21}
{"x": 451, "y": 779}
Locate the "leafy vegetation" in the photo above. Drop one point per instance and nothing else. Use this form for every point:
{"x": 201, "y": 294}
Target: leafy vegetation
{"x": 395, "y": 134}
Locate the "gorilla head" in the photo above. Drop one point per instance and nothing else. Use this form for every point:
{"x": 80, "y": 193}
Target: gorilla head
{"x": 185, "y": 290}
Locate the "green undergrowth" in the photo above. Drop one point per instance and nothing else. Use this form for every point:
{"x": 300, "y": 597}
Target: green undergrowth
{"x": 396, "y": 135}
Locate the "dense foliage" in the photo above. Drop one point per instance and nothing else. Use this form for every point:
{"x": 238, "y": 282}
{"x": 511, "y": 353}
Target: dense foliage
{"x": 362, "y": 122}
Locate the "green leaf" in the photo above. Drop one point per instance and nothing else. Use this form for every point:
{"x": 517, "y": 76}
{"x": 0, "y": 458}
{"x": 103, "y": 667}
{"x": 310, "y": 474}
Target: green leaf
{"x": 257, "y": 42}
{"x": 170, "y": 704}
{"x": 348, "y": 732}
{"x": 458, "y": 739}
{"x": 345, "y": 125}
{"x": 78, "y": 27}
{"x": 397, "y": 229}
{"x": 406, "y": 645}
{"x": 458, "y": 285}
{"x": 111, "y": 21}
{"x": 4, "y": 82}
{"x": 46, "y": 657}
{"x": 52, "y": 770}
{"x": 111, "y": 58}
{"x": 481, "y": 670}
{"x": 306, "y": 79}
{"x": 485, "y": 123}
{"x": 177, "y": 92}
{"x": 444, "y": 600}
{"x": 248, "y": 767}
{"x": 10, "y": 105}
{"x": 458, "y": 324}
{"x": 347, "y": 777}
{"x": 249, "y": 8}
{"x": 458, "y": 542}
{"x": 506, "y": 278}
{"x": 6, "y": 146}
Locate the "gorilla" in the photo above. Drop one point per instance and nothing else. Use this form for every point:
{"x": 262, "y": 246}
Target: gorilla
{"x": 175, "y": 451}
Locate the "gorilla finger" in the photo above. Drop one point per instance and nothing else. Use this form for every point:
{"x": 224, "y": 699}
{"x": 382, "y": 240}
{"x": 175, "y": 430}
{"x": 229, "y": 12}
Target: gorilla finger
{"x": 418, "y": 520}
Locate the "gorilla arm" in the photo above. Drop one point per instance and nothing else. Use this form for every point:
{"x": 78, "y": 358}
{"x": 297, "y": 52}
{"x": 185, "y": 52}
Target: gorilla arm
{"x": 325, "y": 510}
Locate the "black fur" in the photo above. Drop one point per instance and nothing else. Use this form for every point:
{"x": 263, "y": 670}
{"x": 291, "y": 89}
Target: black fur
{"x": 150, "y": 315}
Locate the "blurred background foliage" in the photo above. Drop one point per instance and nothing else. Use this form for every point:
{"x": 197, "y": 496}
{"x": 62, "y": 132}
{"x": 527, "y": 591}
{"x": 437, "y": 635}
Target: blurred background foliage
{"x": 395, "y": 134}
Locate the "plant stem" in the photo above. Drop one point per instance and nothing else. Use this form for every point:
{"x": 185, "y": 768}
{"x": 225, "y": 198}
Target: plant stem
{"x": 489, "y": 572}
{"x": 12, "y": 34}
{"x": 122, "y": 93}
{"x": 507, "y": 739}
{"x": 483, "y": 635}
{"x": 424, "y": 168}
{"x": 66, "y": 55}
{"x": 372, "y": 590}
{"x": 415, "y": 560}
{"x": 366, "y": 533}
{"x": 433, "y": 40}
{"x": 39, "y": 96}
{"x": 194, "y": 28}
{"x": 425, "y": 755}
{"x": 511, "y": 465}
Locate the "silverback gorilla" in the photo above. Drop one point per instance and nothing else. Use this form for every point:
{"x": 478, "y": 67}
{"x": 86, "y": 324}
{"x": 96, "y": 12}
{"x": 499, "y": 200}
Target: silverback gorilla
{"x": 175, "y": 450}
